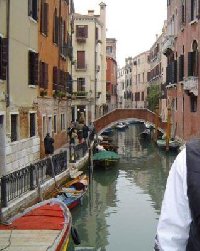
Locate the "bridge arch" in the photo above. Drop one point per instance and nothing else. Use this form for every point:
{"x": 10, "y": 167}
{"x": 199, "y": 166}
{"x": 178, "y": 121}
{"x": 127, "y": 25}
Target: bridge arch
{"x": 116, "y": 115}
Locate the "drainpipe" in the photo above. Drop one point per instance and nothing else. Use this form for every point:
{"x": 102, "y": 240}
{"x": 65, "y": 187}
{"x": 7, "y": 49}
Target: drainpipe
{"x": 95, "y": 69}
{"x": 7, "y": 71}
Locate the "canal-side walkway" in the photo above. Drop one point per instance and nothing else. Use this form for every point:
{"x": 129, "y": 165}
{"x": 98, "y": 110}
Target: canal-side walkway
{"x": 31, "y": 184}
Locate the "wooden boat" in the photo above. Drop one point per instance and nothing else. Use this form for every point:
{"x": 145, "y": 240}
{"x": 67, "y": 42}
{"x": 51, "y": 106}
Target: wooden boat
{"x": 44, "y": 226}
{"x": 72, "y": 192}
{"x": 121, "y": 126}
{"x": 105, "y": 159}
{"x": 173, "y": 144}
{"x": 108, "y": 146}
{"x": 146, "y": 134}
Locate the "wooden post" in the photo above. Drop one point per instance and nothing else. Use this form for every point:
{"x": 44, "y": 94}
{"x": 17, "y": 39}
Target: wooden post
{"x": 168, "y": 131}
{"x": 156, "y": 124}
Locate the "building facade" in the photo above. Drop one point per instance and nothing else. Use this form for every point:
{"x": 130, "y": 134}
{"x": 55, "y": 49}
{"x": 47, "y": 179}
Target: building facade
{"x": 121, "y": 87}
{"x": 140, "y": 69}
{"x": 181, "y": 48}
{"x": 156, "y": 76}
{"x": 18, "y": 110}
{"x": 89, "y": 68}
{"x": 111, "y": 74}
{"x": 55, "y": 55}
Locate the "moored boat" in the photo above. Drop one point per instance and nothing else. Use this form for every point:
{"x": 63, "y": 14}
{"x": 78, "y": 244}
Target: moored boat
{"x": 121, "y": 126}
{"x": 105, "y": 159}
{"x": 173, "y": 144}
{"x": 146, "y": 134}
{"x": 44, "y": 226}
{"x": 73, "y": 191}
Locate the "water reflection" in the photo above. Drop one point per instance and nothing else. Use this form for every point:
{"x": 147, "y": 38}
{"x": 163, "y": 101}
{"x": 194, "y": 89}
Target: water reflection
{"x": 121, "y": 209}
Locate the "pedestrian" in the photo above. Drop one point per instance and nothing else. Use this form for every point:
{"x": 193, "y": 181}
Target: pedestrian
{"x": 74, "y": 136}
{"x": 85, "y": 132}
{"x": 179, "y": 223}
{"x": 48, "y": 144}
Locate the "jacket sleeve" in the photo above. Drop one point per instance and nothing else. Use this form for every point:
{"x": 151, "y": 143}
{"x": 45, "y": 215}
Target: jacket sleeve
{"x": 174, "y": 223}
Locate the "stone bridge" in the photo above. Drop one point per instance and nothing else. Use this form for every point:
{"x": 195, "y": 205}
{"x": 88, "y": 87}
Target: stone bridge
{"x": 116, "y": 115}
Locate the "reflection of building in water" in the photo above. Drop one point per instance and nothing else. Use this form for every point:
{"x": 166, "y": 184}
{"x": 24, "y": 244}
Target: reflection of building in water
{"x": 150, "y": 178}
{"x": 129, "y": 144}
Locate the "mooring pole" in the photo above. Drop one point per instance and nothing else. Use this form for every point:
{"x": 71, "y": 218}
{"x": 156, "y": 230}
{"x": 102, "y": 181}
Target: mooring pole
{"x": 168, "y": 131}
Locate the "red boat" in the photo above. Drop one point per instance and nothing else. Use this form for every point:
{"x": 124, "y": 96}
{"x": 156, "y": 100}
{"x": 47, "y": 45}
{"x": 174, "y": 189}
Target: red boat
{"x": 44, "y": 226}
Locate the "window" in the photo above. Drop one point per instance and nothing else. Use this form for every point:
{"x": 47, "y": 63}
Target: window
{"x": 80, "y": 84}
{"x": 14, "y": 127}
{"x": 43, "y": 77}
{"x": 183, "y": 14}
{"x": 55, "y": 123}
{"x": 108, "y": 49}
{"x": 3, "y": 57}
{"x": 32, "y": 68}
{"x": 193, "y": 103}
{"x": 44, "y": 126}
{"x": 32, "y": 9}
{"x": 81, "y": 60}
{"x": 193, "y": 60}
{"x": 62, "y": 121}
{"x": 32, "y": 124}
{"x": 55, "y": 27}
{"x": 49, "y": 130}
{"x": 181, "y": 67}
{"x": 81, "y": 31}
{"x": 194, "y": 12}
{"x": 44, "y": 18}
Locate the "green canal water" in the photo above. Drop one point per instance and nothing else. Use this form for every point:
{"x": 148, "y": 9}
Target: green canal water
{"x": 122, "y": 207}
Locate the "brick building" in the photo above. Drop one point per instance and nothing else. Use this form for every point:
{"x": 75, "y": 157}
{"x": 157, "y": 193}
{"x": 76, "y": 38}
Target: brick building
{"x": 55, "y": 55}
{"x": 111, "y": 74}
{"x": 183, "y": 72}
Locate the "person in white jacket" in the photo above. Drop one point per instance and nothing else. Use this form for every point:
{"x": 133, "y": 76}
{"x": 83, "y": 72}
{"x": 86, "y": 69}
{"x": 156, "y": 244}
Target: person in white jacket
{"x": 175, "y": 218}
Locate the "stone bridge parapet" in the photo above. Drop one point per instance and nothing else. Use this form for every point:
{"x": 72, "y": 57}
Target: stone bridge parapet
{"x": 124, "y": 114}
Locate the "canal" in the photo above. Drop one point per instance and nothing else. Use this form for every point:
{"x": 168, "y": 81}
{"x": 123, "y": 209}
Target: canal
{"x": 121, "y": 209}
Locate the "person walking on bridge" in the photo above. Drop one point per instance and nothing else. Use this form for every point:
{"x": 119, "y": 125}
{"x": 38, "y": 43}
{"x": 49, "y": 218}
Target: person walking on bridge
{"x": 179, "y": 223}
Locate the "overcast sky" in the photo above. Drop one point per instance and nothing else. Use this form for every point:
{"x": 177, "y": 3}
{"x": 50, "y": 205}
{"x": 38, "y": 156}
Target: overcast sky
{"x": 133, "y": 23}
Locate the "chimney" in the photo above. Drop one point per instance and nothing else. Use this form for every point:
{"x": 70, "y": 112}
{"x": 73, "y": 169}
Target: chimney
{"x": 90, "y": 12}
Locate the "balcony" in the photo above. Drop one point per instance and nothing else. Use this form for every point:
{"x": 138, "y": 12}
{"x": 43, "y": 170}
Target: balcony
{"x": 79, "y": 95}
{"x": 168, "y": 44}
{"x": 191, "y": 84}
{"x": 81, "y": 39}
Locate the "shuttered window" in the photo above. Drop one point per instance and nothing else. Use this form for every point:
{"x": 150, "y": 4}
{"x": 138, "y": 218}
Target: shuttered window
{"x": 44, "y": 17}
{"x": 181, "y": 67}
{"x": 55, "y": 27}
{"x": 3, "y": 57}
{"x": 81, "y": 31}
{"x": 80, "y": 59}
{"x": 80, "y": 84}
{"x": 32, "y": 124}
{"x": 33, "y": 9}
{"x": 55, "y": 77}
{"x": 14, "y": 127}
{"x": 43, "y": 77}
{"x": 33, "y": 68}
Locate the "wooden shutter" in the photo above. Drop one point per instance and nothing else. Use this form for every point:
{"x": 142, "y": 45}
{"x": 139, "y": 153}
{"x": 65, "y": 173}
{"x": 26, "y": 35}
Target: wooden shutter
{"x": 41, "y": 74}
{"x": 80, "y": 59}
{"x": 35, "y": 72}
{"x": 30, "y": 11}
{"x": 46, "y": 11}
{"x": 4, "y": 57}
{"x": 45, "y": 75}
{"x": 181, "y": 67}
{"x": 55, "y": 77}
{"x": 190, "y": 64}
